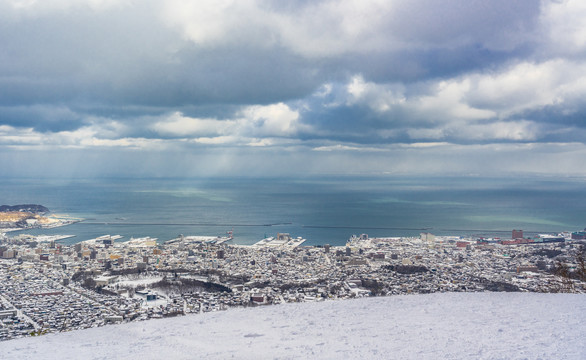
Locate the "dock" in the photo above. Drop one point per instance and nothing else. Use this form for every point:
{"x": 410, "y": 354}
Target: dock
{"x": 281, "y": 241}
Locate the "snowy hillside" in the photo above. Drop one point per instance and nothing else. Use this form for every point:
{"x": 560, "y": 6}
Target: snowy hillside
{"x": 436, "y": 326}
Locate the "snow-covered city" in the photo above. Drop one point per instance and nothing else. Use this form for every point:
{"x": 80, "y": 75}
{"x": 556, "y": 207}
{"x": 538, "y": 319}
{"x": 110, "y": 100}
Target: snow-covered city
{"x": 47, "y": 287}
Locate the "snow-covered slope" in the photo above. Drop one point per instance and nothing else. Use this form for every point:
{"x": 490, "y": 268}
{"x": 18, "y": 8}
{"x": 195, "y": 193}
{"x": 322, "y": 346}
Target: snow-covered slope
{"x": 436, "y": 326}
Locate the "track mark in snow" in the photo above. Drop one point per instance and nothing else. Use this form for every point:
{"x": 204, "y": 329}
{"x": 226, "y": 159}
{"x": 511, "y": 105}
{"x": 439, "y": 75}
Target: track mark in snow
{"x": 253, "y": 335}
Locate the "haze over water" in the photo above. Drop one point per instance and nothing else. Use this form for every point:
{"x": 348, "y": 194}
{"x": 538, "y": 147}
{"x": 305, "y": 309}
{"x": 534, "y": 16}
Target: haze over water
{"x": 320, "y": 209}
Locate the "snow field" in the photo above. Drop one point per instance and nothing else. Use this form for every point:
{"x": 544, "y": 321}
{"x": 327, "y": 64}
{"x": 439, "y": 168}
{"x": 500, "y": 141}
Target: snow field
{"x": 435, "y": 326}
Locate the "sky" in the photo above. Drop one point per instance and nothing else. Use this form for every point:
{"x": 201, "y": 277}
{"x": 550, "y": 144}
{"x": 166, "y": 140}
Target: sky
{"x": 92, "y": 88}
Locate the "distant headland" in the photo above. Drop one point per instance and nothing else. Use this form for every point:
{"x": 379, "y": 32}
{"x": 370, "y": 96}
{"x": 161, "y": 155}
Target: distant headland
{"x": 29, "y": 208}
{"x": 28, "y": 216}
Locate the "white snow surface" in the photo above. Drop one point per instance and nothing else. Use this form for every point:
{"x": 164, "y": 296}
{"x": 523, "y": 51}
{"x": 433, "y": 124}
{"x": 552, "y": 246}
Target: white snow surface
{"x": 435, "y": 326}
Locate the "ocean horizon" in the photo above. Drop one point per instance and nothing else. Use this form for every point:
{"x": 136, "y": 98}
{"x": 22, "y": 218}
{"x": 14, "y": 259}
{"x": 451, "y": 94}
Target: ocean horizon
{"x": 323, "y": 210}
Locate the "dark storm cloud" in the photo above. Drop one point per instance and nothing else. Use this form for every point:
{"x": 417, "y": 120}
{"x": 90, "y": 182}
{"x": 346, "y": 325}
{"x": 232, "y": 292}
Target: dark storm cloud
{"x": 497, "y": 25}
{"x": 128, "y": 59}
{"x": 225, "y": 76}
{"x": 41, "y": 118}
{"x": 127, "y": 56}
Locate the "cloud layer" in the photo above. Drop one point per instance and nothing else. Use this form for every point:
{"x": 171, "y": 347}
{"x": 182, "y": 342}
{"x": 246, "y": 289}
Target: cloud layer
{"x": 240, "y": 87}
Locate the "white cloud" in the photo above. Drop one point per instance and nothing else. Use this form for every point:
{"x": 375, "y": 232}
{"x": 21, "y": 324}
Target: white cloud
{"x": 447, "y": 103}
{"x": 426, "y": 133}
{"x": 324, "y": 90}
{"x": 10, "y": 136}
{"x": 513, "y": 130}
{"x": 177, "y": 124}
{"x": 84, "y": 137}
{"x": 379, "y": 97}
{"x": 341, "y": 147}
{"x": 426, "y": 145}
{"x": 481, "y": 96}
{"x": 38, "y": 8}
{"x": 444, "y": 101}
{"x": 274, "y": 120}
{"x": 331, "y": 28}
{"x": 315, "y": 29}
{"x": 130, "y": 143}
{"x": 208, "y": 22}
{"x": 217, "y": 140}
{"x": 262, "y": 142}
{"x": 529, "y": 86}
{"x": 476, "y": 106}
{"x": 564, "y": 24}
{"x": 108, "y": 128}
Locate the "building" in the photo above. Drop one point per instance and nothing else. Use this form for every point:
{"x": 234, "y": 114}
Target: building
{"x": 356, "y": 262}
{"x": 283, "y": 237}
{"x": 105, "y": 280}
{"x": 5, "y": 314}
{"x": 530, "y": 268}
{"x": 112, "y": 319}
{"x": 427, "y": 237}
{"x": 517, "y": 234}
{"x": 258, "y": 298}
{"x": 378, "y": 256}
{"x": 148, "y": 295}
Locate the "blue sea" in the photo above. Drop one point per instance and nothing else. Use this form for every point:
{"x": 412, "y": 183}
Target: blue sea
{"x": 324, "y": 210}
